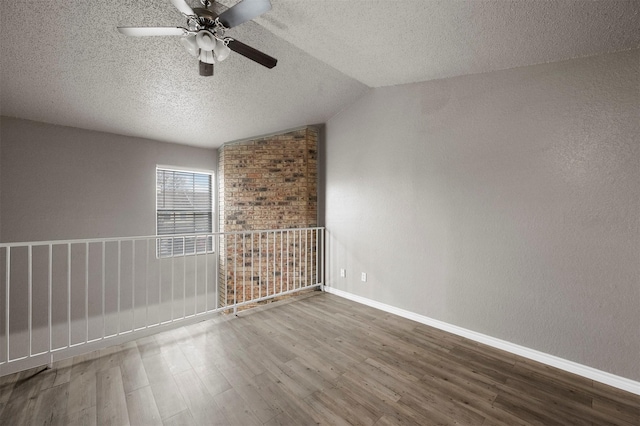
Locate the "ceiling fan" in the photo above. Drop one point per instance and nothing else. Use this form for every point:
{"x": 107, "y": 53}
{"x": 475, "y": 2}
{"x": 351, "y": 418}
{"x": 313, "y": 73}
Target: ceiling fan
{"x": 204, "y": 37}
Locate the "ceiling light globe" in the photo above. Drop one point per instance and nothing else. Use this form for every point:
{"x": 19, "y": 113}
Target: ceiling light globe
{"x": 205, "y": 40}
{"x": 221, "y": 50}
{"x": 206, "y": 56}
{"x": 191, "y": 45}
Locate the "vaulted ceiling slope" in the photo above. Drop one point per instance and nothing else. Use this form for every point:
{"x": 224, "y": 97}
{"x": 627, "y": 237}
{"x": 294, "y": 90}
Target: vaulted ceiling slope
{"x": 391, "y": 42}
{"x": 63, "y": 62}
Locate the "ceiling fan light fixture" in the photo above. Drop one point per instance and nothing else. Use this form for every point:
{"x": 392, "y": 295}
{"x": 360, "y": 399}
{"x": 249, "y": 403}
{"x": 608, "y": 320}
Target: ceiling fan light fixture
{"x": 191, "y": 45}
{"x": 221, "y": 50}
{"x": 204, "y": 35}
{"x": 206, "y": 56}
{"x": 205, "y": 40}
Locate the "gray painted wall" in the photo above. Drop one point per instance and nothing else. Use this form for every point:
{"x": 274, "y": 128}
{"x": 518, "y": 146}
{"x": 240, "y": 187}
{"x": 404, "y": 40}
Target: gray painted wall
{"x": 63, "y": 183}
{"x": 507, "y": 203}
{"x": 0, "y": 181}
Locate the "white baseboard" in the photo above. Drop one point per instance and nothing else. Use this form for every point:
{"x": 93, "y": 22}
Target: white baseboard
{"x": 554, "y": 361}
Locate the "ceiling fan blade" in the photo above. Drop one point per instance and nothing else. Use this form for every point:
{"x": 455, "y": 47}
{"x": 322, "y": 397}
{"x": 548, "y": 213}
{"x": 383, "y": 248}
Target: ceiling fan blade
{"x": 253, "y": 54}
{"x": 183, "y": 7}
{"x": 206, "y": 70}
{"x": 244, "y": 11}
{"x": 152, "y": 31}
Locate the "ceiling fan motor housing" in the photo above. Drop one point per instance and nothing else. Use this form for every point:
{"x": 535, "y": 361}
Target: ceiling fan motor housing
{"x": 206, "y": 17}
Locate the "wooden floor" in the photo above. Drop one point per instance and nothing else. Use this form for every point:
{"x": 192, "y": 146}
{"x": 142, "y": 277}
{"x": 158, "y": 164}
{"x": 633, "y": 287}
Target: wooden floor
{"x": 316, "y": 360}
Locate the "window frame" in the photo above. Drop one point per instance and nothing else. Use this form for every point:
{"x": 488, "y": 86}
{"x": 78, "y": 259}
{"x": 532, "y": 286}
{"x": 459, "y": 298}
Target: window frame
{"x": 209, "y": 244}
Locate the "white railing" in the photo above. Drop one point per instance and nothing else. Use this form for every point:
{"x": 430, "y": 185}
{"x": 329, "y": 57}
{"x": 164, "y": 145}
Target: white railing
{"x": 62, "y": 298}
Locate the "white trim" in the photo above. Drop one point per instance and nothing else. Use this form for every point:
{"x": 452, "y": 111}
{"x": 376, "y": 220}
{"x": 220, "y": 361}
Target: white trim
{"x": 552, "y": 360}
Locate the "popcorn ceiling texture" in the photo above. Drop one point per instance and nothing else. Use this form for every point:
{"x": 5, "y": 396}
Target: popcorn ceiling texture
{"x": 64, "y": 63}
{"x": 267, "y": 183}
{"x": 383, "y": 43}
{"x": 69, "y": 66}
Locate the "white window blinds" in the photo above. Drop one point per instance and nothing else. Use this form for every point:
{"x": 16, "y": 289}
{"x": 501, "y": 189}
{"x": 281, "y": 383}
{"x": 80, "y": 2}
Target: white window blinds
{"x": 184, "y": 206}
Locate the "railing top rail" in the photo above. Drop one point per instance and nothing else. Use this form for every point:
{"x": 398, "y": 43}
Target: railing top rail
{"x": 151, "y": 237}
{"x": 312, "y": 228}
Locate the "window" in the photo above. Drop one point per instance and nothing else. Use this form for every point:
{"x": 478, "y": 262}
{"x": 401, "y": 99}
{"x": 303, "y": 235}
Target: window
{"x": 184, "y": 207}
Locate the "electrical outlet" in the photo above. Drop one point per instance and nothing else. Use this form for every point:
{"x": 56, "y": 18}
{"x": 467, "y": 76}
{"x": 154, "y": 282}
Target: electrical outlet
{"x": 343, "y": 272}
{"x": 364, "y": 277}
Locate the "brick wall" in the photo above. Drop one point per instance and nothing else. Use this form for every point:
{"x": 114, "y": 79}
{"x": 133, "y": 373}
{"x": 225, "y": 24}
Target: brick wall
{"x": 267, "y": 183}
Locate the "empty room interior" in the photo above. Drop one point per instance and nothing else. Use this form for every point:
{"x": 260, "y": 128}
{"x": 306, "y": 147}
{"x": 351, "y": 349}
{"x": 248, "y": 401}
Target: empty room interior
{"x": 297, "y": 212}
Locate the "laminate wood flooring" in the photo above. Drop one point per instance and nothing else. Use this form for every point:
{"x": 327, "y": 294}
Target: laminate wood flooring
{"x": 315, "y": 359}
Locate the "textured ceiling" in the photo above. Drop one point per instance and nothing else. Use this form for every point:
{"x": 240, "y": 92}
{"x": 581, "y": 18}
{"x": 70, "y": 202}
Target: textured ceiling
{"x": 383, "y": 43}
{"x": 63, "y": 62}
